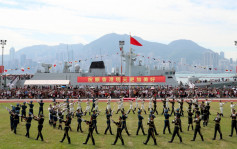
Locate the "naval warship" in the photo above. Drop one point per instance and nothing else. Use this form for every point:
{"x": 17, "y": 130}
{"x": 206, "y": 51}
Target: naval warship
{"x": 135, "y": 74}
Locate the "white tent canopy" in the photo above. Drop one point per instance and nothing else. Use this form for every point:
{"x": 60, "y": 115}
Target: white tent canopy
{"x": 47, "y": 82}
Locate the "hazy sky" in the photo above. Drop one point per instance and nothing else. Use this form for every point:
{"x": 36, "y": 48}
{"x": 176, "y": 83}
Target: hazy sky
{"x": 210, "y": 23}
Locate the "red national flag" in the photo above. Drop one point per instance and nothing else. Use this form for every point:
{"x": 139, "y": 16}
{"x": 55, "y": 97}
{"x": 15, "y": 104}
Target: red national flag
{"x": 226, "y": 70}
{"x": 54, "y": 65}
{"x": 22, "y": 69}
{"x": 5, "y": 70}
{"x": 133, "y": 41}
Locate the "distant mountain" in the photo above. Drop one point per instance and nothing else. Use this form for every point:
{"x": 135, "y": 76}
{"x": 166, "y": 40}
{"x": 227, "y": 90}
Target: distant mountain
{"x": 109, "y": 45}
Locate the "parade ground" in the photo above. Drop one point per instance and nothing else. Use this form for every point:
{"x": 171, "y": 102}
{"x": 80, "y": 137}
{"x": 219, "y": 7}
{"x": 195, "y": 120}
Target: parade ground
{"x": 8, "y": 140}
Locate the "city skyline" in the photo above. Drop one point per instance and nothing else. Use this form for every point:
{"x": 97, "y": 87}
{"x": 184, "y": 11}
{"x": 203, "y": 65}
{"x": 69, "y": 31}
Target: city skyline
{"x": 209, "y": 23}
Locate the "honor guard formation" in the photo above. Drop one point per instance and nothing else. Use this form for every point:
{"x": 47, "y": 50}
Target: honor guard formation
{"x": 63, "y": 113}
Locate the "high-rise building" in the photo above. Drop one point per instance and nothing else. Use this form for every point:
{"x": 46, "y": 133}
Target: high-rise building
{"x": 23, "y": 59}
{"x": 211, "y": 59}
{"x": 231, "y": 60}
{"x": 12, "y": 58}
{"x": 222, "y": 55}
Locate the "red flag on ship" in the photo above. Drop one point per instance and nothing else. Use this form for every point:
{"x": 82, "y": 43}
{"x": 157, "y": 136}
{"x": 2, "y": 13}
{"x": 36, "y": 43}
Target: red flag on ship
{"x": 5, "y": 70}
{"x": 22, "y": 69}
{"x": 54, "y": 65}
{"x": 133, "y": 41}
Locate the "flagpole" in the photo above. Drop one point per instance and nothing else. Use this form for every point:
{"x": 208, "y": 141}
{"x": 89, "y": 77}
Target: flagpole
{"x": 130, "y": 53}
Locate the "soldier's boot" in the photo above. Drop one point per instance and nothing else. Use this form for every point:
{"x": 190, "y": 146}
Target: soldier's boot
{"x": 85, "y": 113}
{"x": 89, "y": 113}
{"x": 180, "y": 138}
{"x": 42, "y": 139}
{"x": 115, "y": 141}
{"x": 93, "y": 141}
{"x": 77, "y": 127}
{"x": 188, "y": 127}
{"x": 122, "y": 142}
{"x": 145, "y": 111}
{"x": 37, "y": 137}
{"x": 127, "y": 133}
{"x": 202, "y": 137}
{"x": 69, "y": 140}
{"x": 128, "y": 111}
{"x": 133, "y": 112}
{"x": 155, "y": 142}
{"x": 143, "y": 132}
{"x": 192, "y": 127}
{"x": 221, "y": 136}
{"x": 63, "y": 138}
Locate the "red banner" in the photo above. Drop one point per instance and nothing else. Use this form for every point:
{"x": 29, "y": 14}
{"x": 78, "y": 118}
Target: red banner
{"x": 1, "y": 69}
{"x": 123, "y": 79}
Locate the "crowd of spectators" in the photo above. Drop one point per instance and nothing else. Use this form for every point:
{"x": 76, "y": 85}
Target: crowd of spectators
{"x": 61, "y": 92}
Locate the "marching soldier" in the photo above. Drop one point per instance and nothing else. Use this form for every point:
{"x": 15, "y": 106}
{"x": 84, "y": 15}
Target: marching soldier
{"x": 181, "y": 103}
{"x": 12, "y": 114}
{"x": 202, "y": 107}
{"x": 131, "y": 107}
{"x": 119, "y": 106}
{"x": 142, "y": 106}
{"x": 150, "y": 104}
{"x": 79, "y": 105}
{"x": 164, "y": 105}
{"x": 40, "y": 120}
{"x": 124, "y": 125}
{"x": 140, "y": 125}
{"x": 190, "y": 118}
{"x": 18, "y": 108}
{"x": 152, "y": 115}
{"x": 41, "y": 107}
{"x": 15, "y": 120}
{"x": 198, "y": 127}
{"x": 79, "y": 114}
{"x": 205, "y": 116}
{"x": 172, "y": 106}
{"x": 90, "y": 132}
{"x": 136, "y": 105}
{"x": 217, "y": 126}
{"x": 28, "y": 124}
{"x": 71, "y": 105}
{"x": 233, "y": 123}
{"x": 87, "y": 107}
{"x": 221, "y": 107}
{"x": 55, "y": 118}
{"x": 108, "y": 108}
{"x": 176, "y": 130}
{"x": 60, "y": 118}
{"x": 31, "y": 105}
{"x": 94, "y": 122}
{"x": 151, "y": 131}
{"x": 66, "y": 129}
{"x": 93, "y": 104}
{"x": 189, "y": 104}
{"x": 232, "y": 107}
{"x": 155, "y": 106}
{"x": 167, "y": 123}
{"x": 179, "y": 119}
{"x": 119, "y": 131}
{"x": 50, "y": 115}
{"x": 23, "y": 110}
{"x": 108, "y": 116}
